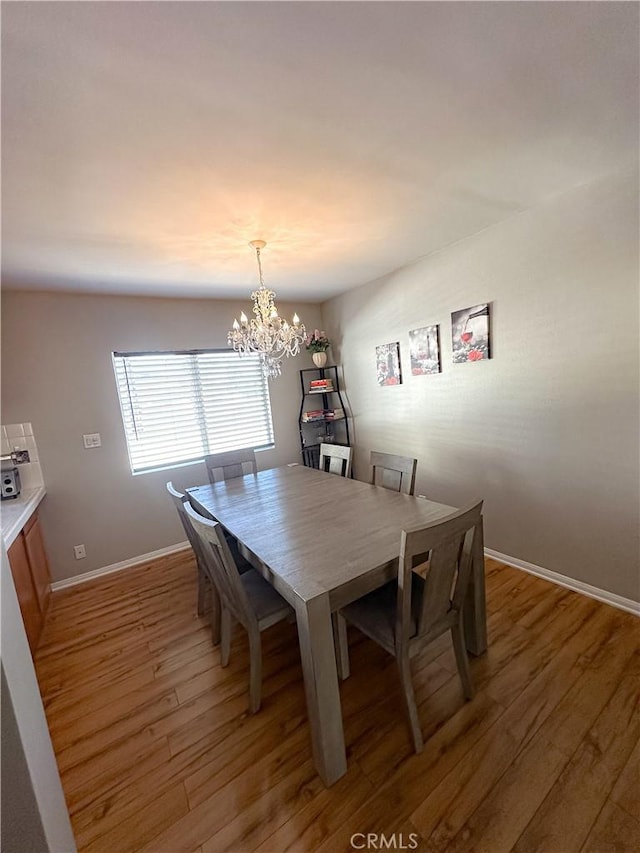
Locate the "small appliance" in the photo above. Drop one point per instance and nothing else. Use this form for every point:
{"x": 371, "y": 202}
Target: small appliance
{"x": 10, "y": 481}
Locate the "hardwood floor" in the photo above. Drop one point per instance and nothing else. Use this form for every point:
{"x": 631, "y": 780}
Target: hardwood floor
{"x": 157, "y": 750}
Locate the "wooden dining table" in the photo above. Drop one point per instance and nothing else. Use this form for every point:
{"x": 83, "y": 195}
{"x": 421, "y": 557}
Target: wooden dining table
{"x": 324, "y": 541}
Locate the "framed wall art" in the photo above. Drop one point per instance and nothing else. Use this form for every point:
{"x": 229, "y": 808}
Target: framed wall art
{"x": 470, "y": 334}
{"x": 389, "y": 371}
{"x": 424, "y": 349}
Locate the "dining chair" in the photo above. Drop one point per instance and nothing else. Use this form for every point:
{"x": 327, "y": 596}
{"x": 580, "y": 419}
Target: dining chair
{"x": 233, "y": 463}
{"x": 228, "y": 466}
{"x": 406, "y": 615}
{"x": 204, "y": 578}
{"x": 336, "y": 459}
{"x": 246, "y": 598}
{"x": 393, "y": 472}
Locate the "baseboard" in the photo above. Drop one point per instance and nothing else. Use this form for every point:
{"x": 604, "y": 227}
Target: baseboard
{"x": 118, "y": 567}
{"x": 627, "y": 604}
{"x": 611, "y": 598}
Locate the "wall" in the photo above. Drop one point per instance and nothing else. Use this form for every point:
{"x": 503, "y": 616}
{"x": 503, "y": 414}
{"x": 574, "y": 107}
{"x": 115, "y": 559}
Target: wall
{"x": 547, "y": 430}
{"x": 20, "y": 824}
{"x": 57, "y": 374}
{"x": 34, "y": 812}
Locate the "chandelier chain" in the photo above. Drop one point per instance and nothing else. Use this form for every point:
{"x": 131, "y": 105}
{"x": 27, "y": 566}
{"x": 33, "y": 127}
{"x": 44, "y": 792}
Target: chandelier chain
{"x": 260, "y": 267}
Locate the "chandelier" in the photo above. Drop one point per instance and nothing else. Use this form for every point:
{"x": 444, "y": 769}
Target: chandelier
{"x": 266, "y": 334}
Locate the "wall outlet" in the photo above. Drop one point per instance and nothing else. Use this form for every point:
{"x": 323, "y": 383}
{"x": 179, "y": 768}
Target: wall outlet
{"x": 79, "y": 552}
{"x": 92, "y": 440}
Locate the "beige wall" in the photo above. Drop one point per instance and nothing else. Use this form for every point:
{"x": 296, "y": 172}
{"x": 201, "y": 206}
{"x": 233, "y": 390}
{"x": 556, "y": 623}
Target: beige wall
{"x": 547, "y": 430}
{"x": 57, "y": 373}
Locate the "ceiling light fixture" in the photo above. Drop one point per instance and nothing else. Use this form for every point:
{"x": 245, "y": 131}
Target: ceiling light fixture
{"x": 266, "y": 334}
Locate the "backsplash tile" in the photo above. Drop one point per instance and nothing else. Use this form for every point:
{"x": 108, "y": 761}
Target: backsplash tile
{"x": 20, "y": 437}
{"x": 30, "y": 475}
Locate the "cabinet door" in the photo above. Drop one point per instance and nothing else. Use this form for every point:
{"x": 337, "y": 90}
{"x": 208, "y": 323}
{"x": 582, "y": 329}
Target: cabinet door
{"x": 38, "y": 562}
{"x": 31, "y": 616}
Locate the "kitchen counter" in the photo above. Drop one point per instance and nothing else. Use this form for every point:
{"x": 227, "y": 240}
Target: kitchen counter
{"x": 14, "y": 514}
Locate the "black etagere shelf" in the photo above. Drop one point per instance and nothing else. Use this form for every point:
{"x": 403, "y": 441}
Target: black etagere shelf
{"x": 323, "y": 415}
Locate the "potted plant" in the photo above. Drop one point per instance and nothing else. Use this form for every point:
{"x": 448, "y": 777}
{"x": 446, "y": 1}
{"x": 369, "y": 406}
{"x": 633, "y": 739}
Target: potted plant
{"x": 317, "y": 344}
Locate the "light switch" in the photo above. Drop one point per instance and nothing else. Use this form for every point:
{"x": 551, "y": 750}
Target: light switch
{"x": 92, "y": 440}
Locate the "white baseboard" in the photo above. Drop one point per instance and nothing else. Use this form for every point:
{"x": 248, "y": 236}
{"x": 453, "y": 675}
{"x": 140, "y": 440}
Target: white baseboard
{"x": 118, "y": 567}
{"x": 627, "y": 604}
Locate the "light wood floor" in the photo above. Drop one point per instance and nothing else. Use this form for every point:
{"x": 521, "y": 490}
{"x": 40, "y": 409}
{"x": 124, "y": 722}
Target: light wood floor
{"x": 158, "y": 753}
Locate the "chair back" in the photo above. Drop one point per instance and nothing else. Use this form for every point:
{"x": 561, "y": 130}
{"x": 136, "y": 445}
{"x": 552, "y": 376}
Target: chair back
{"x": 393, "y": 472}
{"x": 336, "y": 459}
{"x": 450, "y": 542}
{"x": 222, "y": 567}
{"x": 179, "y": 500}
{"x": 234, "y": 463}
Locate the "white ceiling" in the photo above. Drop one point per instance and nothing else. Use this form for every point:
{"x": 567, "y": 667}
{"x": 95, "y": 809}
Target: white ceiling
{"x": 144, "y": 144}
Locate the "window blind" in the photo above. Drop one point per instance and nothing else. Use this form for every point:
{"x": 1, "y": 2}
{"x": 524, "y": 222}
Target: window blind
{"x": 179, "y": 406}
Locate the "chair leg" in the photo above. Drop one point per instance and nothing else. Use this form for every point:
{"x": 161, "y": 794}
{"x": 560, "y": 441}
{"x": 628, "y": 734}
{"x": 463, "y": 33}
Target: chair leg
{"x": 462, "y": 659}
{"x": 215, "y": 615}
{"x": 202, "y": 592}
{"x": 341, "y": 645}
{"x": 411, "y": 709}
{"x": 255, "y": 674}
{"x": 225, "y": 636}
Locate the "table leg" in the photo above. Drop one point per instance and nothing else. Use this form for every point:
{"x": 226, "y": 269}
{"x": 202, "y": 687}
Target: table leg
{"x": 475, "y": 607}
{"x": 321, "y": 686}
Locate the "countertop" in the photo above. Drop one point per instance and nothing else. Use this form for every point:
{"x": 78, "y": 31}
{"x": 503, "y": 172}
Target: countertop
{"x": 14, "y": 514}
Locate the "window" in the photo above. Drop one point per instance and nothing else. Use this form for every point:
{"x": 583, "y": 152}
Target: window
{"x": 179, "y": 406}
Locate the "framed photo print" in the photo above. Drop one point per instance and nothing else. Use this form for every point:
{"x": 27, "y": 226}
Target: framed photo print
{"x": 388, "y": 367}
{"x": 470, "y": 334}
{"x": 424, "y": 348}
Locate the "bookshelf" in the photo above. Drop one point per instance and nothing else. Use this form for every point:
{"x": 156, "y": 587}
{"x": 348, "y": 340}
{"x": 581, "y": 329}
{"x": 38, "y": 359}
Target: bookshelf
{"x": 323, "y": 415}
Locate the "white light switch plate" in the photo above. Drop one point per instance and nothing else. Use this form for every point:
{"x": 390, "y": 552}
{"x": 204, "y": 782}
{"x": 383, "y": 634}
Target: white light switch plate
{"x": 92, "y": 440}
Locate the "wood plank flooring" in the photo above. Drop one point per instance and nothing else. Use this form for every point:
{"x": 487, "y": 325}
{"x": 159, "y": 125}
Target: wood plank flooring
{"x": 157, "y": 750}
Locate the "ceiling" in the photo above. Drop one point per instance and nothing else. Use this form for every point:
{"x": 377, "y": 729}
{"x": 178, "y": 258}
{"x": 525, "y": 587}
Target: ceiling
{"x": 144, "y": 144}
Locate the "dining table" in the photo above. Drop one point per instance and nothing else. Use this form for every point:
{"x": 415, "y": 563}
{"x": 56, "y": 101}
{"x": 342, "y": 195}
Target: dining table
{"x": 323, "y": 541}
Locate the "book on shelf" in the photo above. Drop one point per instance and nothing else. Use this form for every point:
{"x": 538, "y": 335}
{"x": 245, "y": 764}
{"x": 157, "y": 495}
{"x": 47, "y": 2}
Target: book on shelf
{"x": 323, "y": 415}
{"x": 334, "y": 414}
{"x": 325, "y": 389}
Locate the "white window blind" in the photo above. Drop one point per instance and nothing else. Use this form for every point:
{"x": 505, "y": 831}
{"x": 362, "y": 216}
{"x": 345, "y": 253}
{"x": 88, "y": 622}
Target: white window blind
{"x": 179, "y": 406}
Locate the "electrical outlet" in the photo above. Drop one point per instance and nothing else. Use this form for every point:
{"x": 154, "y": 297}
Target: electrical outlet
{"x": 92, "y": 440}
{"x": 79, "y": 552}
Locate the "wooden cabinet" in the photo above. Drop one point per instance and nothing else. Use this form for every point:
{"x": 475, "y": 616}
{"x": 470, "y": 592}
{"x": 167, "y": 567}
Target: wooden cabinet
{"x": 30, "y": 570}
{"x": 38, "y": 561}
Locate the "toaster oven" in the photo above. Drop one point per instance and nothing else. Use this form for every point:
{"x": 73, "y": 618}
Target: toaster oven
{"x": 10, "y": 482}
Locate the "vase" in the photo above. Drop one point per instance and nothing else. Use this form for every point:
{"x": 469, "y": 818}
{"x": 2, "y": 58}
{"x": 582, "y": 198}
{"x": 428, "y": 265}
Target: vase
{"x": 319, "y": 358}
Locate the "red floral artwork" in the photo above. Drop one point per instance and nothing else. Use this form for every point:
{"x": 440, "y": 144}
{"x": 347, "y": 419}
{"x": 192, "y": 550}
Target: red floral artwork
{"x": 470, "y": 334}
{"x": 388, "y": 364}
